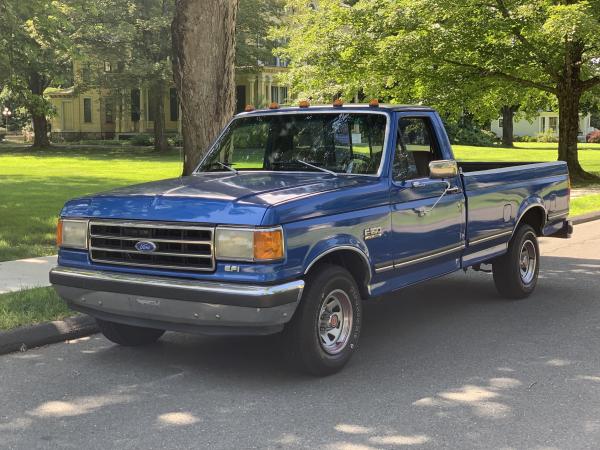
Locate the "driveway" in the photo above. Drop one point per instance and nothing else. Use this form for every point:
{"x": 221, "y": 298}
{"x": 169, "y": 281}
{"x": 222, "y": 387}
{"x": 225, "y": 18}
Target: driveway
{"x": 447, "y": 364}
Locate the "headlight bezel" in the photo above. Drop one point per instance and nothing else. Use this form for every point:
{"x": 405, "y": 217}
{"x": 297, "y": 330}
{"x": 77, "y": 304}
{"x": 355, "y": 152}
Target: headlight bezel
{"x": 81, "y": 242}
{"x": 250, "y": 234}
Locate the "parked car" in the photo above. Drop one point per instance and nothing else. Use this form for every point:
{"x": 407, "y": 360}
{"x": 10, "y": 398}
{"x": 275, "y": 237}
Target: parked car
{"x": 293, "y": 218}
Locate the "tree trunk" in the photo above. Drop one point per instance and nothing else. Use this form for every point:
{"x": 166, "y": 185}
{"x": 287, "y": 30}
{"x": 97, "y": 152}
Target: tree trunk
{"x": 37, "y": 84}
{"x": 508, "y": 114}
{"x": 568, "y": 129}
{"x": 40, "y": 130}
{"x": 160, "y": 138}
{"x": 203, "y": 34}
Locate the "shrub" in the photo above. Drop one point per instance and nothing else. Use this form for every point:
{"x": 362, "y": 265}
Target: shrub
{"x": 142, "y": 140}
{"x": 2, "y": 136}
{"x": 593, "y": 137}
{"x": 471, "y": 135}
{"x": 547, "y": 136}
{"x": 525, "y": 138}
{"x": 176, "y": 141}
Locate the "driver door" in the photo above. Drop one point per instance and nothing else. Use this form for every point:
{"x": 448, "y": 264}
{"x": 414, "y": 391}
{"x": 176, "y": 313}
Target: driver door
{"x": 427, "y": 227}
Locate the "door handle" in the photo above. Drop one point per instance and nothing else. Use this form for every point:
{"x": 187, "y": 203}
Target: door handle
{"x": 453, "y": 190}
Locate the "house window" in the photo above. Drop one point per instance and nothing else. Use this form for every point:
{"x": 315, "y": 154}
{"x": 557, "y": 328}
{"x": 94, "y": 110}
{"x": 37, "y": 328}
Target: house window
{"x": 135, "y": 105}
{"x": 173, "y": 105}
{"x": 86, "y": 73}
{"x": 553, "y": 123}
{"x": 107, "y": 66}
{"x": 151, "y": 104}
{"x": 500, "y": 123}
{"x": 283, "y": 95}
{"x": 275, "y": 94}
{"x": 108, "y": 112}
{"x": 87, "y": 110}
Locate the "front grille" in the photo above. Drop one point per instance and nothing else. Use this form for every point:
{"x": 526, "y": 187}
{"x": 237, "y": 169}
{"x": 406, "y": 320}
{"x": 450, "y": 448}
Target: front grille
{"x": 178, "y": 246}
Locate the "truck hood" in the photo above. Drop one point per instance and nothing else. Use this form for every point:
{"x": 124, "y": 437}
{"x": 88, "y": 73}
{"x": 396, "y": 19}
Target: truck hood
{"x": 214, "y": 198}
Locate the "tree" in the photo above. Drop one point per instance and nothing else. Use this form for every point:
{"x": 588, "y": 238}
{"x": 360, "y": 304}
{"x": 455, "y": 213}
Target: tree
{"x": 136, "y": 34}
{"x": 35, "y": 34}
{"x": 255, "y": 18}
{"x": 408, "y": 49}
{"x": 203, "y": 35}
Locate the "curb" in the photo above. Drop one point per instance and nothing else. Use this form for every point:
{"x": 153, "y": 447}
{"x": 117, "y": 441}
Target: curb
{"x": 585, "y": 218}
{"x": 27, "y": 337}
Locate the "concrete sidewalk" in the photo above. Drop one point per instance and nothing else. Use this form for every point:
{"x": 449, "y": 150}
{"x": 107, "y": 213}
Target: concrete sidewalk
{"x": 25, "y": 273}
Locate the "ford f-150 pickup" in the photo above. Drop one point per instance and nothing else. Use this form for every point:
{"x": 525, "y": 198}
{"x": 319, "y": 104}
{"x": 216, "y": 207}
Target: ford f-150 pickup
{"x": 294, "y": 216}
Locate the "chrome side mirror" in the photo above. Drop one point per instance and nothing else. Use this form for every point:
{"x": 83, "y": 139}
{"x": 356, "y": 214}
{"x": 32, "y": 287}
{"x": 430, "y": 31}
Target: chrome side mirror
{"x": 445, "y": 168}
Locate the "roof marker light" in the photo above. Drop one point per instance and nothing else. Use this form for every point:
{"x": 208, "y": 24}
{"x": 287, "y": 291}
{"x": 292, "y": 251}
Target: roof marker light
{"x": 374, "y": 103}
{"x": 274, "y": 105}
{"x": 303, "y": 104}
{"x": 249, "y": 108}
{"x": 338, "y": 103}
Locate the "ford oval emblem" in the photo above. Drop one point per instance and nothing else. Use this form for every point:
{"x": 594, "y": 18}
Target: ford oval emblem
{"x": 145, "y": 246}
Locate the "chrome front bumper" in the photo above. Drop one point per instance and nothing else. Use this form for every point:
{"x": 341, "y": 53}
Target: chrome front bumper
{"x": 178, "y": 304}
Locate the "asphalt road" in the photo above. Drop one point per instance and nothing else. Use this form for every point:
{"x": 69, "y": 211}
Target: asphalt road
{"x": 447, "y": 364}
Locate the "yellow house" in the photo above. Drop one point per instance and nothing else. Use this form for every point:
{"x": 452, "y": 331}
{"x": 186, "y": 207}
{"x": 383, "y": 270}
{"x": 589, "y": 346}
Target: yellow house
{"x": 120, "y": 113}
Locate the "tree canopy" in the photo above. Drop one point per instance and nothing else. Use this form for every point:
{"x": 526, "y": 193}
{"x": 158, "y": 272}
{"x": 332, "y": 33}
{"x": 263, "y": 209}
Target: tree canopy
{"x": 453, "y": 55}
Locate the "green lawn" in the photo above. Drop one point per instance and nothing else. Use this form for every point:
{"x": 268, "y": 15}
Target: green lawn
{"x": 31, "y": 306}
{"x": 35, "y": 184}
{"x": 589, "y": 154}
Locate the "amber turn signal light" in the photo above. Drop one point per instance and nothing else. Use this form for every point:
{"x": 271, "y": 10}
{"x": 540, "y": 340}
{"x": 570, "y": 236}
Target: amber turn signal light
{"x": 59, "y": 233}
{"x": 268, "y": 244}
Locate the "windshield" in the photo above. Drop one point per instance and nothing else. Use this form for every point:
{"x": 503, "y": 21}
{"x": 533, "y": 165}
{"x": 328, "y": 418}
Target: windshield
{"x": 343, "y": 143}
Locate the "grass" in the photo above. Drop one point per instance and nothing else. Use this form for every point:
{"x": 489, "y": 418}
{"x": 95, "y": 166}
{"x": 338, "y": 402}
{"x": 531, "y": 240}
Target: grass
{"x": 31, "y": 306}
{"x": 34, "y": 184}
{"x": 589, "y": 154}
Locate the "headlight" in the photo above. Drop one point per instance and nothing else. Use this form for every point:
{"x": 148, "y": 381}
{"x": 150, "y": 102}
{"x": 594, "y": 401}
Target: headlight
{"x": 72, "y": 233}
{"x": 247, "y": 244}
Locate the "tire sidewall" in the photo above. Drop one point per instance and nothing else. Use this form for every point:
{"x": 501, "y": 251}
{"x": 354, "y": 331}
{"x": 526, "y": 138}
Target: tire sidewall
{"x": 321, "y": 287}
{"x": 527, "y": 234}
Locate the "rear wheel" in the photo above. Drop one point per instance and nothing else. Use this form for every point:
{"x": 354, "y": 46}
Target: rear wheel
{"x": 128, "y": 335}
{"x": 324, "y": 331}
{"x": 516, "y": 272}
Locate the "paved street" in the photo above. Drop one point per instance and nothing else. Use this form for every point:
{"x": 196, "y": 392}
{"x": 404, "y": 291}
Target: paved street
{"x": 445, "y": 365}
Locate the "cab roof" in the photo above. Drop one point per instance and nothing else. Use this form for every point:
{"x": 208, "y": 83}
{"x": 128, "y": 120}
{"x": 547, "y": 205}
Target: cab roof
{"x": 353, "y": 106}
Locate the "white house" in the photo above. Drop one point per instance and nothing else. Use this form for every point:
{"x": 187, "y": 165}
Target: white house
{"x": 546, "y": 120}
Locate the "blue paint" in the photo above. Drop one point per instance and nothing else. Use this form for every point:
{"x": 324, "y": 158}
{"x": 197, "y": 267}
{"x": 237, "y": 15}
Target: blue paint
{"x": 320, "y": 213}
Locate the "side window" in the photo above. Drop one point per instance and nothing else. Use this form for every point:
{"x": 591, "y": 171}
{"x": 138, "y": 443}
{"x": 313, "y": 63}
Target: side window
{"x": 416, "y": 147}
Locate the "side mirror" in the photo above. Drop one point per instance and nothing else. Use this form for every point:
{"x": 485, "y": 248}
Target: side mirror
{"x": 444, "y": 168}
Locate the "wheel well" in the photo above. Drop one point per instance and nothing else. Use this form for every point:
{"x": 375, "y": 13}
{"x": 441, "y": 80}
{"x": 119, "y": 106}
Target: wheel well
{"x": 535, "y": 217}
{"x": 351, "y": 261}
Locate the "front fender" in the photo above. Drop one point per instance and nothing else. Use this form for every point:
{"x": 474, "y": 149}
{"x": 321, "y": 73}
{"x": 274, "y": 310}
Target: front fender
{"x": 333, "y": 243}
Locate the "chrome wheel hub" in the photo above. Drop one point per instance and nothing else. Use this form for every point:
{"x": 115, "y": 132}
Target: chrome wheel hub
{"x": 527, "y": 262}
{"x": 335, "y": 322}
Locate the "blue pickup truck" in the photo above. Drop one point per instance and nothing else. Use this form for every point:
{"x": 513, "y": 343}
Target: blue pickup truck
{"x": 295, "y": 216}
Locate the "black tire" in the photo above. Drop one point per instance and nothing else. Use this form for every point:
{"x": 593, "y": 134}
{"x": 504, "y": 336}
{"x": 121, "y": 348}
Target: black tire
{"x": 128, "y": 335}
{"x": 512, "y": 279}
{"x": 304, "y": 346}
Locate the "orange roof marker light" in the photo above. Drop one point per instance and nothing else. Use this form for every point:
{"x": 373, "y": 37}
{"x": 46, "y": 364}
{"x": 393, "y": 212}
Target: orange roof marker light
{"x": 249, "y": 108}
{"x": 303, "y": 104}
{"x": 338, "y": 103}
{"x": 274, "y": 105}
{"x": 374, "y": 103}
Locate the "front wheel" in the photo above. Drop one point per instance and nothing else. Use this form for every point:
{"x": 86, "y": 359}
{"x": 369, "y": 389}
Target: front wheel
{"x": 128, "y": 335}
{"x": 324, "y": 331}
{"x": 516, "y": 272}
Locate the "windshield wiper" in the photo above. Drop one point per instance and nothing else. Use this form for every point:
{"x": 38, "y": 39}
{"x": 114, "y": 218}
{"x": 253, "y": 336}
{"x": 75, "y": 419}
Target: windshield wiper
{"x": 322, "y": 169}
{"x": 223, "y": 165}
